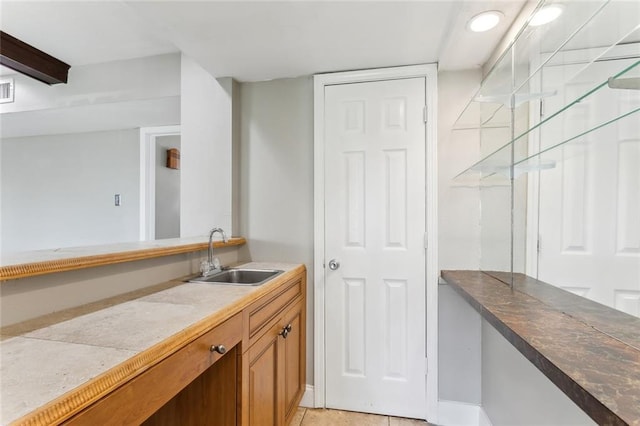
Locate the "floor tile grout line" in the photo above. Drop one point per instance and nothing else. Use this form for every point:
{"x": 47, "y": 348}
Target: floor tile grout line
{"x": 304, "y": 413}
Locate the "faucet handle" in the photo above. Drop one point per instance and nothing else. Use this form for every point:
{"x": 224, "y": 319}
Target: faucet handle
{"x": 205, "y": 267}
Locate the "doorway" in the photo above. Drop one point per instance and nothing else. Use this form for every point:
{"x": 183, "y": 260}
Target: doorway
{"x": 375, "y": 242}
{"x": 167, "y": 203}
{"x": 159, "y": 188}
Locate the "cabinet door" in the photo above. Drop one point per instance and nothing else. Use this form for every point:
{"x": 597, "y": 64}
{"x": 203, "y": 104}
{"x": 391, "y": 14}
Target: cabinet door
{"x": 294, "y": 359}
{"x": 266, "y": 362}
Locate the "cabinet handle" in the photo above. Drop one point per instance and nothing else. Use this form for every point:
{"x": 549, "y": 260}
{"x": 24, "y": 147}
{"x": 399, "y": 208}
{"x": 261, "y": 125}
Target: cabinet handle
{"x": 218, "y": 348}
{"x": 285, "y": 331}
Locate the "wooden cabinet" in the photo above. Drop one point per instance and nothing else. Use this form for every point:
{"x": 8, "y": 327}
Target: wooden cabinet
{"x": 138, "y": 399}
{"x": 259, "y": 380}
{"x": 275, "y": 362}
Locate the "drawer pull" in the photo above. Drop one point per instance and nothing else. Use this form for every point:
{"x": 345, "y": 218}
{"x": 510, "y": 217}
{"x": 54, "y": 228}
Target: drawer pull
{"x": 285, "y": 331}
{"x": 218, "y": 348}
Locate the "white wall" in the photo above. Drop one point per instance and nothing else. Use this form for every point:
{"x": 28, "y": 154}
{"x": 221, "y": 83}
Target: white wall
{"x": 205, "y": 107}
{"x": 459, "y": 349}
{"x": 459, "y": 369}
{"x": 69, "y": 149}
{"x": 235, "y": 155}
{"x": 59, "y": 190}
{"x": 276, "y": 179}
{"x": 515, "y": 392}
{"x": 167, "y": 190}
{"x": 206, "y": 156}
{"x": 458, "y": 205}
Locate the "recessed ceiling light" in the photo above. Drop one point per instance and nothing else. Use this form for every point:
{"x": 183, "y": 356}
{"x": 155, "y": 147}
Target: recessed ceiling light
{"x": 484, "y": 21}
{"x": 545, "y": 15}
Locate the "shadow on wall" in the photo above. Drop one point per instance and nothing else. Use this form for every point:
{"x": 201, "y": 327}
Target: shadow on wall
{"x": 276, "y": 178}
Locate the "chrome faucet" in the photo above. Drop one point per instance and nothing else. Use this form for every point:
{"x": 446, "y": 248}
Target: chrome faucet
{"x": 212, "y": 265}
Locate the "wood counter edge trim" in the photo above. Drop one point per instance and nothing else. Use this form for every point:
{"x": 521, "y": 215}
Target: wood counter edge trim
{"x": 588, "y": 402}
{"x": 24, "y": 270}
{"x": 76, "y": 400}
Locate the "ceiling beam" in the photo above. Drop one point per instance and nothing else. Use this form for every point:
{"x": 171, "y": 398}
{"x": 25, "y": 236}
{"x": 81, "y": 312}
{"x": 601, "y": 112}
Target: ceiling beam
{"x": 28, "y": 60}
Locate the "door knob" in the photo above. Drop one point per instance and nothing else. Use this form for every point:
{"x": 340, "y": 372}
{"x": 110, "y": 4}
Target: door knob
{"x": 334, "y": 264}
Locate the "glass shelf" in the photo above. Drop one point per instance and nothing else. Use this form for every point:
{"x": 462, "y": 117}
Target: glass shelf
{"x": 518, "y": 76}
{"x": 557, "y": 123}
{"x": 559, "y": 127}
{"x": 578, "y": 145}
{"x": 478, "y": 114}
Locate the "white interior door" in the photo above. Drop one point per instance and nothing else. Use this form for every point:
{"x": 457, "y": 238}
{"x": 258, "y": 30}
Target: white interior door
{"x": 589, "y": 223}
{"x": 374, "y": 229}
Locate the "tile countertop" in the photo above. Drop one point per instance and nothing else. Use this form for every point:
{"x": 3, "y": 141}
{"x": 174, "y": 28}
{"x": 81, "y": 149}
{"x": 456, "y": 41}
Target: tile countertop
{"x": 38, "y": 366}
{"x": 590, "y": 351}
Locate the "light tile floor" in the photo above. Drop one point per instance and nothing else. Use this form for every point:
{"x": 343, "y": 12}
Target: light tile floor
{"x": 323, "y": 417}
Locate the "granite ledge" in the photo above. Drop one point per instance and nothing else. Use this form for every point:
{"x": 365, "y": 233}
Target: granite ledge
{"x": 534, "y": 317}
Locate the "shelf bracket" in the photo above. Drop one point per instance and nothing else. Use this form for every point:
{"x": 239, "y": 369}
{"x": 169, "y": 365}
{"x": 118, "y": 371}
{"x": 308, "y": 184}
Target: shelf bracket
{"x": 632, "y": 83}
{"x": 518, "y": 98}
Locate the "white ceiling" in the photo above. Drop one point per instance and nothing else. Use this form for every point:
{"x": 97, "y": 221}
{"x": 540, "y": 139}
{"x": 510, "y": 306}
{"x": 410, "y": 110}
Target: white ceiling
{"x": 261, "y": 40}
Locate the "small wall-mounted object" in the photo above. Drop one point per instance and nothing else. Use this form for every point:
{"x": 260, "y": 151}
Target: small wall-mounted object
{"x": 173, "y": 158}
{"x": 7, "y": 90}
{"x": 28, "y": 60}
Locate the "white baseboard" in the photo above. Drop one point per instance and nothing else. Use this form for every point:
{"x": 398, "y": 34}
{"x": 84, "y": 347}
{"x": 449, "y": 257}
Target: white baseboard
{"x": 308, "y": 399}
{"x": 454, "y": 413}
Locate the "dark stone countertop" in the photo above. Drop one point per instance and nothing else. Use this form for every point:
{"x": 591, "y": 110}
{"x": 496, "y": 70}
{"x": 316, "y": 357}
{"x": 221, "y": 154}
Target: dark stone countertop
{"x": 590, "y": 351}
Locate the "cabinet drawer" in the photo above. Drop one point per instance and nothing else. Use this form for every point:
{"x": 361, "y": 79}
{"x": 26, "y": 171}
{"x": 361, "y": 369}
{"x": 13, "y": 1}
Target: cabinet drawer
{"x": 136, "y": 400}
{"x": 265, "y": 309}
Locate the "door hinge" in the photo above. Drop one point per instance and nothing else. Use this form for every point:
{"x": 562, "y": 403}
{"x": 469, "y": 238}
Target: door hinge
{"x": 426, "y": 366}
{"x": 541, "y": 108}
{"x": 539, "y": 245}
{"x": 426, "y": 240}
{"x": 424, "y": 113}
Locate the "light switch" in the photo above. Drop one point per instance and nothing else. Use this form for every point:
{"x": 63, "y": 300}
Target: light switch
{"x": 118, "y": 200}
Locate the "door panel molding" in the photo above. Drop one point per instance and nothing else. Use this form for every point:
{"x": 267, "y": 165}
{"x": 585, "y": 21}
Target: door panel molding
{"x": 429, "y": 72}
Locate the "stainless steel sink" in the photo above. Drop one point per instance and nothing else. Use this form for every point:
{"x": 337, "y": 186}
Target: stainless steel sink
{"x": 239, "y": 276}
